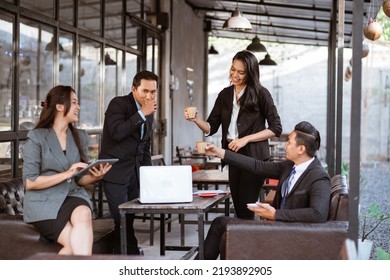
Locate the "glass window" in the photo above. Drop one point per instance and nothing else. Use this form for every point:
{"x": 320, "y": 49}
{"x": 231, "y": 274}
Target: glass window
{"x": 5, "y": 160}
{"x": 89, "y": 91}
{"x": 113, "y": 21}
{"x": 113, "y": 75}
{"x": 132, "y": 31}
{"x": 6, "y": 73}
{"x": 152, "y": 55}
{"x": 45, "y": 7}
{"x": 65, "y": 67}
{"x": 66, "y": 11}
{"x": 90, "y": 16}
{"x": 36, "y": 68}
{"x": 131, "y": 70}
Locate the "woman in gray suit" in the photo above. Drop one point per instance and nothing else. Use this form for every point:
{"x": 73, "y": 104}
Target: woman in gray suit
{"x": 55, "y": 201}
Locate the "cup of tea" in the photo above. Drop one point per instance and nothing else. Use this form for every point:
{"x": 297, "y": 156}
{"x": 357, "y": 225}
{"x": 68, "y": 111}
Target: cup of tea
{"x": 191, "y": 112}
{"x": 201, "y": 147}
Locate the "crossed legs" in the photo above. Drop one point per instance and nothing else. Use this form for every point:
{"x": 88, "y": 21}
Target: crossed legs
{"x": 77, "y": 235}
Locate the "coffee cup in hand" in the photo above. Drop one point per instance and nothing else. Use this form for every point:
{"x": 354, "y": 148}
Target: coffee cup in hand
{"x": 191, "y": 112}
{"x": 201, "y": 147}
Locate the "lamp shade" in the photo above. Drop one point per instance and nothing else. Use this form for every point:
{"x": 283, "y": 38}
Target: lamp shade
{"x": 108, "y": 60}
{"x": 212, "y": 50}
{"x": 237, "y": 21}
{"x": 50, "y": 46}
{"x": 256, "y": 46}
{"x": 267, "y": 60}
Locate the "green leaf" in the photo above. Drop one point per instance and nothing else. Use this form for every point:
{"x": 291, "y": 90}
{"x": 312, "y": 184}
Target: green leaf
{"x": 382, "y": 254}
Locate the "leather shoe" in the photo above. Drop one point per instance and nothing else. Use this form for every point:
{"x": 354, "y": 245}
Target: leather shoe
{"x": 141, "y": 251}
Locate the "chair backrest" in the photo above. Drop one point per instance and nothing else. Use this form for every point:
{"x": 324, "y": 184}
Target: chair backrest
{"x": 338, "y": 209}
{"x": 182, "y": 152}
{"x": 158, "y": 160}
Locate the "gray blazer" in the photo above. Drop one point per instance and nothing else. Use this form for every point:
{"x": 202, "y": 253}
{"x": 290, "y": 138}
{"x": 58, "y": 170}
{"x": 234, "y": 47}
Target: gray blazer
{"x": 42, "y": 155}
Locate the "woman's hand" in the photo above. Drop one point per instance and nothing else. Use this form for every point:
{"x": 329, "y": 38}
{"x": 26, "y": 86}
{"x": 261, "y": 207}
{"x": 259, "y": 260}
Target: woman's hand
{"x": 187, "y": 115}
{"x": 76, "y": 167}
{"x": 237, "y": 144}
{"x": 99, "y": 172}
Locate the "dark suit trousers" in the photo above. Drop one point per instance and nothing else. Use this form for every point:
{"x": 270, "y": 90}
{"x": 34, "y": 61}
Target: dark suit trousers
{"x": 214, "y": 244}
{"x": 117, "y": 194}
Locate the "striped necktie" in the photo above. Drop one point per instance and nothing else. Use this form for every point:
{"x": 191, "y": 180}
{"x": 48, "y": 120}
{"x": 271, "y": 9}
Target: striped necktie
{"x": 286, "y": 187}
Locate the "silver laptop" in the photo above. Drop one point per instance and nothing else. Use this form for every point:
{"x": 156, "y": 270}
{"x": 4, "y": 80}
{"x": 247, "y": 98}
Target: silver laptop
{"x": 165, "y": 184}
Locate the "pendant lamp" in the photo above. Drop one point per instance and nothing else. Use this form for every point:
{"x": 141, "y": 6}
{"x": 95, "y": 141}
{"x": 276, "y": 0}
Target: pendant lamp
{"x": 267, "y": 61}
{"x": 237, "y": 21}
{"x": 50, "y": 46}
{"x": 212, "y": 50}
{"x": 108, "y": 60}
{"x": 256, "y": 46}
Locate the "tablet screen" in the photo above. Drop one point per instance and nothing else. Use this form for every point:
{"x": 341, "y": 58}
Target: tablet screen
{"x": 85, "y": 170}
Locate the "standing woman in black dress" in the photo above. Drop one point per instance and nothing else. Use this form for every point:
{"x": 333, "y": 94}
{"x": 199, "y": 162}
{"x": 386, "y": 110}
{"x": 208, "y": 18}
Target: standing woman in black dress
{"x": 243, "y": 109}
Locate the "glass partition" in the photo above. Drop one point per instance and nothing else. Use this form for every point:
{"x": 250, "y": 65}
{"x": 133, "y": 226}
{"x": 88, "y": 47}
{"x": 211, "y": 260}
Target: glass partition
{"x": 89, "y": 14}
{"x": 89, "y": 81}
{"x": 45, "y": 7}
{"x": 113, "y": 21}
{"x": 66, "y": 62}
{"x": 113, "y": 73}
{"x": 66, "y": 13}
{"x": 36, "y": 68}
{"x": 6, "y": 73}
{"x": 131, "y": 70}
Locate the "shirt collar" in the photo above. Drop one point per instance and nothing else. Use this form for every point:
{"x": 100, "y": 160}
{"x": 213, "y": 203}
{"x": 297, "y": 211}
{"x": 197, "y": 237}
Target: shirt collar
{"x": 303, "y": 166}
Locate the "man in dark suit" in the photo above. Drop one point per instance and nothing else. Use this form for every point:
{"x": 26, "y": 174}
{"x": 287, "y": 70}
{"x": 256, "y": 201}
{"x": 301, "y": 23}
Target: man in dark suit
{"x": 126, "y": 136}
{"x": 303, "y": 193}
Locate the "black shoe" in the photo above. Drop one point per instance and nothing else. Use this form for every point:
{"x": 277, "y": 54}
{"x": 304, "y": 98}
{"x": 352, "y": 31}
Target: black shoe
{"x": 141, "y": 251}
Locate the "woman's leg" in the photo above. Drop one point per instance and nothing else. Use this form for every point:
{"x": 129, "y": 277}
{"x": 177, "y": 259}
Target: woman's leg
{"x": 77, "y": 235}
{"x": 245, "y": 188}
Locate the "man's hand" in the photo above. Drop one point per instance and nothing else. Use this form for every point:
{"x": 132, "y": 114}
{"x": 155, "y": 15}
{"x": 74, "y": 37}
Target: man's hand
{"x": 214, "y": 151}
{"x": 149, "y": 107}
{"x": 264, "y": 210}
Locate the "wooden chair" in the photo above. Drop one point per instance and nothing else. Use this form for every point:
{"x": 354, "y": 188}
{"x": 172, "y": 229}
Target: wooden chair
{"x": 186, "y": 156}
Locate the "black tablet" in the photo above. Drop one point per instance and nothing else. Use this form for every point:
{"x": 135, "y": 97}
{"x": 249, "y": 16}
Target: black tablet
{"x": 94, "y": 163}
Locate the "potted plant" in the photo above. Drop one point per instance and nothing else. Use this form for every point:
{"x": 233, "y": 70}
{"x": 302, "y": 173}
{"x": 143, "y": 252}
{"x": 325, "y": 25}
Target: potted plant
{"x": 371, "y": 220}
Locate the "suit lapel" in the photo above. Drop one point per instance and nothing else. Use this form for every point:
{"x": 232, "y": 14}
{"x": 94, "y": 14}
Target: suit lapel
{"x": 71, "y": 148}
{"x": 55, "y": 148}
{"x": 298, "y": 182}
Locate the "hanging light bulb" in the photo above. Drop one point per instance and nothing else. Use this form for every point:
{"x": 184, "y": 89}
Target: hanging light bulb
{"x": 267, "y": 61}
{"x": 237, "y": 21}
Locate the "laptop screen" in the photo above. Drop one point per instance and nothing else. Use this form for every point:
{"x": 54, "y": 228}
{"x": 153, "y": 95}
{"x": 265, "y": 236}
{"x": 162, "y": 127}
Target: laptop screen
{"x": 165, "y": 184}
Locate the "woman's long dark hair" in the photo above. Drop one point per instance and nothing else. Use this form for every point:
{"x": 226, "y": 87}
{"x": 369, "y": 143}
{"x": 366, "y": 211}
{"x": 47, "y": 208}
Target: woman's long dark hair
{"x": 251, "y": 97}
{"x": 59, "y": 95}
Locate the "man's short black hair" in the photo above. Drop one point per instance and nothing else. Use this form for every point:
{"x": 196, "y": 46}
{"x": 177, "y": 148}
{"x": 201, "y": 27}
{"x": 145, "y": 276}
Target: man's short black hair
{"x": 144, "y": 75}
{"x": 309, "y": 136}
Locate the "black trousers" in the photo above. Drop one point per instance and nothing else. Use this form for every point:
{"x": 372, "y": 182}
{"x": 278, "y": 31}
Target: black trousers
{"x": 117, "y": 194}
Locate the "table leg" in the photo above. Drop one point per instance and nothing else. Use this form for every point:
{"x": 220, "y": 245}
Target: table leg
{"x": 123, "y": 233}
{"x": 201, "y": 236}
{"x": 162, "y": 234}
{"x": 227, "y": 207}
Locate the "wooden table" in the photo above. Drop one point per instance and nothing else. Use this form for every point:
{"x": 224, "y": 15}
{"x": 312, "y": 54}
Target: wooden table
{"x": 199, "y": 206}
{"x": 205, "y": 177}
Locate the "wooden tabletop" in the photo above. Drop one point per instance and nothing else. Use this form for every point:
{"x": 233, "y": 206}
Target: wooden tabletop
{"x": 210, "y": 176}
